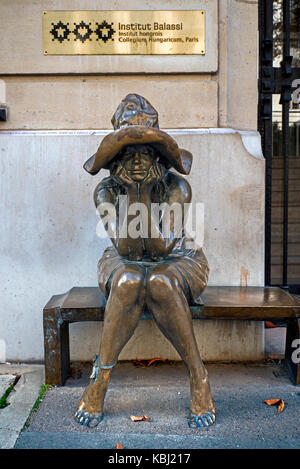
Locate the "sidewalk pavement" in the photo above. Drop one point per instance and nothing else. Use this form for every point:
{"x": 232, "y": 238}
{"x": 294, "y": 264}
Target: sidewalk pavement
{"x": 161, "y": 392}
{"x": 27, "y": 380}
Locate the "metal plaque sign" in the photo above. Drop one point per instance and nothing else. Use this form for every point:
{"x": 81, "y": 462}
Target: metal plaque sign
{"x": 132, "y": 32}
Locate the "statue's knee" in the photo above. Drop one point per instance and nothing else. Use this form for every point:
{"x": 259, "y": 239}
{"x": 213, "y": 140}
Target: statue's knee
{"x": 160, "y": 286}
{"x": 128, "y": 284}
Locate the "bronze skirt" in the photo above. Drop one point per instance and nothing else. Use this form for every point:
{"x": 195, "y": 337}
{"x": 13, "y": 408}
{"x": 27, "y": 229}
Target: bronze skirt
{"x": 189, "y": 264}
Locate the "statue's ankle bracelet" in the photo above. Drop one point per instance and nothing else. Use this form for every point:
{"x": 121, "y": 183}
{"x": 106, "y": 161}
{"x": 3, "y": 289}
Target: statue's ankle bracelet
{"x": 98, "y": 365}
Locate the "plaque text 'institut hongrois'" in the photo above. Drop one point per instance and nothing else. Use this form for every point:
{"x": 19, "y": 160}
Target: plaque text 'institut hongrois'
{"x": 131, "y": 32}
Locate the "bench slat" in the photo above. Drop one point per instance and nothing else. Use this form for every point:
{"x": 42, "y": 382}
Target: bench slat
{"x": 256, "y": 303}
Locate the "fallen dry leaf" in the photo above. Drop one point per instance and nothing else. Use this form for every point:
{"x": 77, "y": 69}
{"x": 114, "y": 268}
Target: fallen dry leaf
{"x": 136, "y": 418}
{"x": 145, "y": 363}
{"x": 156, "y": 360}
{"x": 142, "y": 363}
{"x": 119, "y": 446}
{"x": 280, "y": 406}
{"x": 280, "y": 403}
{"x": 147, "y": 419}
{"x": 272, "y": 401}
{"x": 269, "y": 324}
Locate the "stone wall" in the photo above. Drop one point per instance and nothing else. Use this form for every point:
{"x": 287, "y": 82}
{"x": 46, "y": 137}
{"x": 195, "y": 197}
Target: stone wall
{"x": 60, "y": 109}
{"x": 76, "y": 92}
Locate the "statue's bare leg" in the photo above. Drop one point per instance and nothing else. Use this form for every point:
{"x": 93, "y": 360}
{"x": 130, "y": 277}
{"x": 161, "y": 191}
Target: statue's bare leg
{"x": 123, "y": 310}
{"x": 167, "y": 301}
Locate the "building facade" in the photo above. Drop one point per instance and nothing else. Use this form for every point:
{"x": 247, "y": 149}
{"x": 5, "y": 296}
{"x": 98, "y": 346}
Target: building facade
{"x": 59, "y": 108}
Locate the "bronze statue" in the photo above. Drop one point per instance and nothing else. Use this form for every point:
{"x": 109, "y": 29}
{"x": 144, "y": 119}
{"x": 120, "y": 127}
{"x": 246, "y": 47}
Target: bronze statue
{"x": 155, "y": 271}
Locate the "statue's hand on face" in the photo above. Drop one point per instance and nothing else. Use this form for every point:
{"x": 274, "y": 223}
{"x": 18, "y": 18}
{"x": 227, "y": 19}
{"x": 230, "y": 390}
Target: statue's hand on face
{"x": 155, "y": 174}
{"x": 121, "y": 175}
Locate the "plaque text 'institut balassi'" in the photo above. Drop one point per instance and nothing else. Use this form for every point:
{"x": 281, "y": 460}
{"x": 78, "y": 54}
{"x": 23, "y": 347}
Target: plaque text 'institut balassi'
{"x": 131, "y": 32}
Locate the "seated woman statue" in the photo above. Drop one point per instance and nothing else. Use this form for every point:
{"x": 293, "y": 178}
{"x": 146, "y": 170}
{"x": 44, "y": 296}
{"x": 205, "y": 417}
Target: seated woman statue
{"x": 154, "y": 270}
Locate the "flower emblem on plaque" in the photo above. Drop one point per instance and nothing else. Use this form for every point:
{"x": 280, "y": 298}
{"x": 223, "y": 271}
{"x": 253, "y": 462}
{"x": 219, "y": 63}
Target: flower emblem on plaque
{"x": 82, "y": 31}
{"x": 60, "y": 31}
{"x": 104, "y": 31}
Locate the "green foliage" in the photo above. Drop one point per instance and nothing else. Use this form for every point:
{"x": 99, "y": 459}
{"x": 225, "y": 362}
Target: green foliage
{"x": 44, "y": 389}
{"x": 3, "y": 399}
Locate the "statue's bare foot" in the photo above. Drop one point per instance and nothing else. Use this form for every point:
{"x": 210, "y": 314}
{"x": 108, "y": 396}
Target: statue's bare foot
{"x": 87, "y": 419}
{"x": 202, "y": 409}
{"x": 203, "y": 420}
{"x": 88, "y": 412}
{"x": 90, "y": 409}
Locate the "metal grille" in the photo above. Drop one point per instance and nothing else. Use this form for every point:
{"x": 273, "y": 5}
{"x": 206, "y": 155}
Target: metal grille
{"x": 279, "y": 124}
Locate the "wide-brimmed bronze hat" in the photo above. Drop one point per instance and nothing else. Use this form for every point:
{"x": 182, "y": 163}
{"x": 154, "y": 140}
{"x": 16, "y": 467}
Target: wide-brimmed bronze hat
{"x": 136, "y": 122}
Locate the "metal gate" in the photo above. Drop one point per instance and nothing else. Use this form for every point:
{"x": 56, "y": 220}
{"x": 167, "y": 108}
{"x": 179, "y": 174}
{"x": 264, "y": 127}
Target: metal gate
{"x": 279, "y": 125}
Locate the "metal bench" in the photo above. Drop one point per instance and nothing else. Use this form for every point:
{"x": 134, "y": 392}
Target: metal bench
{"x": 88, "y": 304}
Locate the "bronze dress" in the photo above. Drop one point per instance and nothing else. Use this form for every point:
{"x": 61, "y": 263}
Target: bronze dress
{"x": 188, "y": 264}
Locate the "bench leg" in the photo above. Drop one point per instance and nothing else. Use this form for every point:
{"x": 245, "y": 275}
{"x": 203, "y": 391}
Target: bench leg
{"x": 56, "y": 347}
{"x": 292, "y": 350}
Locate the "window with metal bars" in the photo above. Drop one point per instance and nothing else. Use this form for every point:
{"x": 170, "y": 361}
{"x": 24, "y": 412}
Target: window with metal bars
{"x": 279, "y": 124}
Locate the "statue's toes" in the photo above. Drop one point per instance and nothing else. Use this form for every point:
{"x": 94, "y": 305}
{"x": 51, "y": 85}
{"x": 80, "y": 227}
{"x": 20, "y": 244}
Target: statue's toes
{"x": 81, "y": 417}
{"x": 89, "y": 420}
{"x": 204, "y": 420}
{"x": 94, "y": 420}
